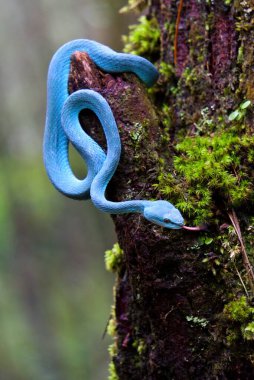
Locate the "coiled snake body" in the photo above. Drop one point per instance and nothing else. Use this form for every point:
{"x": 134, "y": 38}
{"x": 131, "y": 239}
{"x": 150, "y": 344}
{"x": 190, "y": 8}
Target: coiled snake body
{"x": 62, "y": 126}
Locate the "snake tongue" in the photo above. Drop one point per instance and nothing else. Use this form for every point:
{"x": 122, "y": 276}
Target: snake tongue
{"x": 197, "y": 228}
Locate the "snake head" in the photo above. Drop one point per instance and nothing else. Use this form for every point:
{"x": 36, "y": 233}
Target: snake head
{"x": 164, "y": 214}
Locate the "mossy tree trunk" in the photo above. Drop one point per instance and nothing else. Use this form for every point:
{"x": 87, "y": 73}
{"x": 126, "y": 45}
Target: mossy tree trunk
{"x": 183, "y": 300}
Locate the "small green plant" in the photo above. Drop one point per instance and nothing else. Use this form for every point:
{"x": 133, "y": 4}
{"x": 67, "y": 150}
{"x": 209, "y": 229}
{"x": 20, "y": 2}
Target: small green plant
{"x": 240, "y": 112}
{"x": 248, "y": 331}
{"x": 202, "y": 322}
{"x": 137, "y": 133}
{"x": 212, "y": 261}
{"x": 205, "y": 121}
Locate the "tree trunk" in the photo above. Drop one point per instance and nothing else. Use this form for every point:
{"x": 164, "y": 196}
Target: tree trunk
{"x": 183, "y": 299}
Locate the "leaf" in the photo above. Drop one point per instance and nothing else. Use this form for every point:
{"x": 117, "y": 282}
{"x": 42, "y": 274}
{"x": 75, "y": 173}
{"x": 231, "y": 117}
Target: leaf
{"x": 245, "y": 104}
{"x": 208, "y": 241}
{"x": 233, "y": 115}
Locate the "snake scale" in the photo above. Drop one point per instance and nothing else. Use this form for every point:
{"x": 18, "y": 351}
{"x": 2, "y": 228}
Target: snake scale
{"x": 62, "y": 127}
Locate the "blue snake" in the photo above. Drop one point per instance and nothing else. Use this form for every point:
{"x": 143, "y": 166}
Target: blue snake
{"x": 62, "y": 127}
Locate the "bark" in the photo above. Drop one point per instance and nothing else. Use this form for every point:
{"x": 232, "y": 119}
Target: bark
{"x": 170, "y": 314}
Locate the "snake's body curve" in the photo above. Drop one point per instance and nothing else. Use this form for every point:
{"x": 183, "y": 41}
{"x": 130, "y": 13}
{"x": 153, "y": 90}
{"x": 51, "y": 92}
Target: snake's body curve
{"x": 62, "y": 126}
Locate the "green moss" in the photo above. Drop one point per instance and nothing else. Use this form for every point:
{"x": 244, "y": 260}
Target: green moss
{"x": 190, "y": 76}
{"x": 213, "y": 161}
{"x": 143, "y": 38}
{"x": 140, "y": 345}
{"x": 112, "y": 349}
{"x": 240, "y": 314}
{"x": 240, "y": 55}
{"x": 166, "y": 70}
{"x": 211, "y": 166}
{"x": 111, "y": 328}
{"x": 238, "y": 310}
{"x": 232, "y": 336}
{"x": 166, "y": 121}
{"x": 112, "y": 372}
{"x": 114, "y": 258}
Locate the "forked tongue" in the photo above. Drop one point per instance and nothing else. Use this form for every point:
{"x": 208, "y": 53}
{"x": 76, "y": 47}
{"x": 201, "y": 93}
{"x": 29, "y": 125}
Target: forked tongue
{"x": 203, "y": 227}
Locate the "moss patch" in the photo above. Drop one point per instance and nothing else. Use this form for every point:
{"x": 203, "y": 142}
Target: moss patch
{"x": 238, "y": 310}
{"x": 143, "y": 38}
{"x": 211, "y": 168}
{"x": 112, "y": 372}
{"x": 114, "y": 258}
{"x": 240, "y": 320}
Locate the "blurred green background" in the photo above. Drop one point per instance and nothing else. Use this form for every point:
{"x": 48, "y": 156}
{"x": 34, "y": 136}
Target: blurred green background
{"x": 55, "y": 294}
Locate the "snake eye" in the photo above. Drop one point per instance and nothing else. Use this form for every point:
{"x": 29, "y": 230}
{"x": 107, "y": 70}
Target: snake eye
{"x": 166, "y": 220}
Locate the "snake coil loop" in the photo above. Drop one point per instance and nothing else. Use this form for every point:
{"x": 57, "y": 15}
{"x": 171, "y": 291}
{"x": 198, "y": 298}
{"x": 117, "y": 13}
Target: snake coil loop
{"x": 62, "y": 127}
